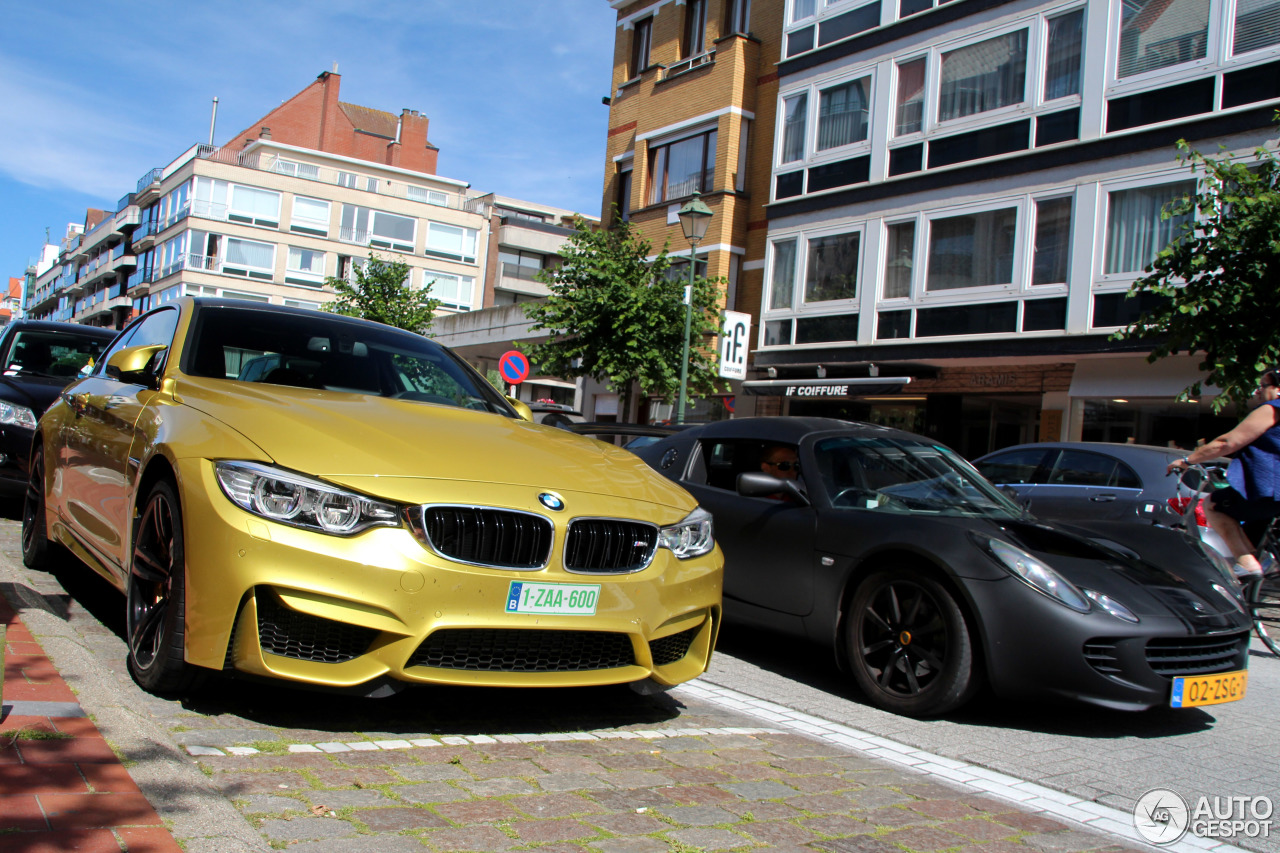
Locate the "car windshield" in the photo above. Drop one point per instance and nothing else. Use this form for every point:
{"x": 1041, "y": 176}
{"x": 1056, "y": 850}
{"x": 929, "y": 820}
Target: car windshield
{"x": 60, "y": 353}
{"x": 333, "y": 354}
{"x": 894, "y": 475}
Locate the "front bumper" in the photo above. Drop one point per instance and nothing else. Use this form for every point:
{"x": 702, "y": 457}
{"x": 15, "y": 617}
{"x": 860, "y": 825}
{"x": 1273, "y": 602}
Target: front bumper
{"x": 277, "y": 601}
{"x": 1038, "y": 649}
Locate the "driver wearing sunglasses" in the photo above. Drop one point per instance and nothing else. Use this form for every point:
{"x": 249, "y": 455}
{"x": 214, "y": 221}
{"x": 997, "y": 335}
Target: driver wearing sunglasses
{"x": 781, "y": 461}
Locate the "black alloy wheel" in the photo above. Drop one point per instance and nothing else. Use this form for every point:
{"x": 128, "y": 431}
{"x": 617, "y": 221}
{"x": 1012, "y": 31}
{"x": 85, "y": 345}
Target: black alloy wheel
{"x": 156, "y": 597}
{"x": 909, "y": 644}
{"x": 35, "y": 533}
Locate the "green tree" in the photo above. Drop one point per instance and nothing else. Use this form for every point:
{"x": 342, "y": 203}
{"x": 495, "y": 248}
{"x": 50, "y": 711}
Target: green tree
{"x": 1218, "y": 284}
{"x": 618, "y": 317}
{"x": 381, "y": 292}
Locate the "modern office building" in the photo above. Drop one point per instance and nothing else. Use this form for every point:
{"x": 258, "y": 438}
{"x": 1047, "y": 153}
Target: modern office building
{"x": 962, "y": 194}
{"x": 694, "y": 90}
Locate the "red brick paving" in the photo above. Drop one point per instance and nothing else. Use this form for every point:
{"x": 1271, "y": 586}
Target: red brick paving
{"x": 66, "y": 793}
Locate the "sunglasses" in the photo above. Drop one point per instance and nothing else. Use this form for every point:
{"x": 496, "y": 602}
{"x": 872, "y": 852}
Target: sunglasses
{"x": 784, "y": 466}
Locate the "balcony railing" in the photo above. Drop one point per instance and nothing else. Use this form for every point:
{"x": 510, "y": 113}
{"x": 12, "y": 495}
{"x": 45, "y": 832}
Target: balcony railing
{"x": 521, "y": 272}
{"x": 151, "y": 177}
{"x": 689, "y": 64}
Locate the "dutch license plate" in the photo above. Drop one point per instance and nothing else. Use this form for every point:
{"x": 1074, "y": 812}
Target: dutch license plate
{"x": 1192, "y": 690}
{"x": 553, "y": 598}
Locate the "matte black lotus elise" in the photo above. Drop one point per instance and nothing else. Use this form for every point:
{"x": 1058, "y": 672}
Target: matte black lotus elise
{"x": 929, "y": 581}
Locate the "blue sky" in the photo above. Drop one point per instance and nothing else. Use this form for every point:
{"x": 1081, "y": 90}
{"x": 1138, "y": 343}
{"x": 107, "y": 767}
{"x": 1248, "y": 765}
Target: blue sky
{"x": 94, "y": 94}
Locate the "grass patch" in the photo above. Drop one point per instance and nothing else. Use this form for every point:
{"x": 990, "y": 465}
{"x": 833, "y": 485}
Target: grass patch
{"x": 36, "y": 734}
{"x": 271, "y": 747}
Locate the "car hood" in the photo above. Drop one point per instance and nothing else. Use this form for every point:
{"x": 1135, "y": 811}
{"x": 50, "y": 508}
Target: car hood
{"x": 1152, "y": 571}
{"x": 34, "y": 392}
{"x": 351, "y": 438}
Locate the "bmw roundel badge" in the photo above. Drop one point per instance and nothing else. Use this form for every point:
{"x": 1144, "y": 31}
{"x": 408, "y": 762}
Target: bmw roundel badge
{"x": 551, "y": 501}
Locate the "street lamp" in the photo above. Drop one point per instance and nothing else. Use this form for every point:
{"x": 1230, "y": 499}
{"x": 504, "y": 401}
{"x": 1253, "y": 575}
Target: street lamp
{"x": 694, "y": 219}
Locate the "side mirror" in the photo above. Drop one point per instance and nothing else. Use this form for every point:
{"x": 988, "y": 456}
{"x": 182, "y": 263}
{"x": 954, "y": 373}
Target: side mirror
{"x": 522, "y": 409}
{"x": 135, "y": 365}
{"x": 761, "y": 485}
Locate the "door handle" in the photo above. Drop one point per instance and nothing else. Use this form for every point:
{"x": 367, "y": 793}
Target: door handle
{"x": 1103, "y": 498}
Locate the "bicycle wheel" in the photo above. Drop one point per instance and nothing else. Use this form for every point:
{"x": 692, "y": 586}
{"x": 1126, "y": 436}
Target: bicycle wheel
{"x": 1264, "y": 606}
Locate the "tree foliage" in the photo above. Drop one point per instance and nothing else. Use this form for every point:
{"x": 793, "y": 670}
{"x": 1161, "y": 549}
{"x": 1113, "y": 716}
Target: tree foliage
{"x": 618, "y": 317}
{"x": 381, "y": 292}
{"x": 1219, "y": 282}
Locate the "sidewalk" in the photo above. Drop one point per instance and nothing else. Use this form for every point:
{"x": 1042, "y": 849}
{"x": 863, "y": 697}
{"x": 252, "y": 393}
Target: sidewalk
{"x": 224, "y": 777}
{"x": 62, "y": 787}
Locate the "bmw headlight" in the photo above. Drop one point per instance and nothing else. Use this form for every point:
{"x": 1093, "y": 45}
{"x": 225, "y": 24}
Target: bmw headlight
{"x": 691, "y": 537}
{"x": 1112, "y": 606}
{"x": 290, "y": 498}
{"x": 1038, "y": 575}
{"x": 15, "y": 415}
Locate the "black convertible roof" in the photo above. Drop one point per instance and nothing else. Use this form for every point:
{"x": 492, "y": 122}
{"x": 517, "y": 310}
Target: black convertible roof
{"x": 791, "y": 429}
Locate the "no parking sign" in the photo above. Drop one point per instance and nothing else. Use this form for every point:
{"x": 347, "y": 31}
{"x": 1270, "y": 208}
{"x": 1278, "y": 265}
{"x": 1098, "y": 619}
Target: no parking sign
{"x": 514, "y": 367}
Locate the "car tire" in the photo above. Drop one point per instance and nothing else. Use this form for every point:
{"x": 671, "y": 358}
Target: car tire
{"x": 155, "y": 595}
{"x": 37, "y": 551}
{"x": 909, "y": 644}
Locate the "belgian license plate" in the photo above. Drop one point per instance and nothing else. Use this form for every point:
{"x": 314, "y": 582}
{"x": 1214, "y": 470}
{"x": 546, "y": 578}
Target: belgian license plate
{"x": 553, "y": 598}
{"x": 1192, "y": 690}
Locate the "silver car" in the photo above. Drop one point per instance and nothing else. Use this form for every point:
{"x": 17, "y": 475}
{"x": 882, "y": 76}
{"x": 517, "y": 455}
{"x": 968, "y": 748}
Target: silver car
{"x": 1085, "y": 482}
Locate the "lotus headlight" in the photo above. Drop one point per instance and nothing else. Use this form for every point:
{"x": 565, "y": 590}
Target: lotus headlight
{"x": 1112, "y": 606}
{"x": 1038, "y": 575}
{"x": 15, "y": 415}
{"x": 299, "y": 501}
{"x": 691, "y": 537}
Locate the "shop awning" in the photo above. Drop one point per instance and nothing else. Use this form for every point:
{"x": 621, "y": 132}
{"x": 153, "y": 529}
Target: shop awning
{"x": 1134, "y": 376}
{"x": 826, "y": 388}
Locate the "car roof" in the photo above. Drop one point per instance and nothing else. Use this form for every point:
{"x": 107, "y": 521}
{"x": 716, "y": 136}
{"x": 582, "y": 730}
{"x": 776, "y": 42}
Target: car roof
{"x": 55, "y": 326}
{"x": 1115, "y": 448}
{"x": 791, "y": 430}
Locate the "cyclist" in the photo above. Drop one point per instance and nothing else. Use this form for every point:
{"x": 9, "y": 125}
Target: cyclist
{"x": 1253, "y": 493}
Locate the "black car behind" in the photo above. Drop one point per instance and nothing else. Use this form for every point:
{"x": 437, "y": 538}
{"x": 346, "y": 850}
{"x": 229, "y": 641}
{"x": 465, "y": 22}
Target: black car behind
{"x": 38, "y": 359}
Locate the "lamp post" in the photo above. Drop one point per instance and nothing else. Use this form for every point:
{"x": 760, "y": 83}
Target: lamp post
{"x": 694, "y": 219}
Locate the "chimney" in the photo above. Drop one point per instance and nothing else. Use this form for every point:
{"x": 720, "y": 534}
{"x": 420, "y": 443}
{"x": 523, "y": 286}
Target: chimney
{"x": 264, "y": 133}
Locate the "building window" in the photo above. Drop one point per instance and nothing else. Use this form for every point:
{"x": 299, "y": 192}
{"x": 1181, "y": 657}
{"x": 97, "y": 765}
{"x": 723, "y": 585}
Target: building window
{"x": 682, "y": 168}
{"x": 453, "y": 291}
{"x": 429, "y": 196}
{"x": 624, "y": 194}
{"x": 842, "y": 114}
{"x": 521, "y": 265}
{"x": 249, "y": 258}
{"x": 695, "y": 27}
{"x": 975, "y": 250}
{"x": 377, "y": 228}
{"x": 309, "y": 171}
{"x": 1051, "y": 260}
{"x": 451, "y": 241}
{"x": 641, "y": 37}
{"x": 801, "y": 9}
{"x": 347, "y": 179}
{"x": 783, "y": 282}
{"x": 1136, "y": 231}
{"x": 1257, "y": 25}
{"x": 347, "y": 266}
{"x": 984, "y": 76}
{"x": 1161, "y": 33}
{"x": 909, "y": 117}
{"x": 1062, "y": 59}
{"x": 310, "y": 216}
{"x": 832, "y": 271}
{"x": 737, "y": 17}
{"x": 305, "y": 266}
{"x": 795, "y": 115}
{"x": 899, "y": 259}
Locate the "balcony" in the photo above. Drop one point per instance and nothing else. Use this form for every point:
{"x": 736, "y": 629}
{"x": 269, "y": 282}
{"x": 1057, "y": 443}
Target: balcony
{"x": 689, "y": 64}
{"x": 145, "y": 235}
{"x": 128, "y": 217}
{"x": 539, "y": 237}
{"x": 521, "y": 279}
{"x": 148, "y": 187}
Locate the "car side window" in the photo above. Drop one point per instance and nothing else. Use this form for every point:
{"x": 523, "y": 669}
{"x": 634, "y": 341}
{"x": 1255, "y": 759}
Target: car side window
{"x": 1082, "y": 468}
{"x": 724, "y": 459}
{"x": 155, "y": 328}
{"x": 1017, "y": 467}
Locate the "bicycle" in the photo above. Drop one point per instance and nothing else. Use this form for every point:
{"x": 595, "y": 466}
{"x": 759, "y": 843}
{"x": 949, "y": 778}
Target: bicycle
{"x": 1261, "y": 593}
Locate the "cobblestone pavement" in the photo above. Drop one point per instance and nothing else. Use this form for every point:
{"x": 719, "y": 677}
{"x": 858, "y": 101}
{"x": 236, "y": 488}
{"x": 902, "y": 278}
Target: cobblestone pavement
{"x": 244, "y": 766}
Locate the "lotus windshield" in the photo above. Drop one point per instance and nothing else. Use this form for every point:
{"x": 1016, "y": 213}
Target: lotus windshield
{"x": 892, "y": 475}
{"x": 330, "y": 353}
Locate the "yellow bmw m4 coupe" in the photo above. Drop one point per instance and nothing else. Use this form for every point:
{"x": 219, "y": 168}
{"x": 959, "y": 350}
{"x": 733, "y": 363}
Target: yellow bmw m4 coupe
{"x": 297, "y": 495}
